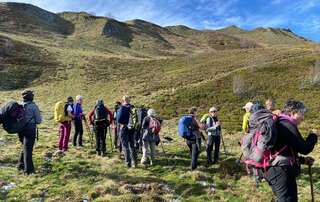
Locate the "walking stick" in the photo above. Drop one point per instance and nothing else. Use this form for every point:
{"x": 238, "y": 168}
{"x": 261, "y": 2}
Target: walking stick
{"x": 89, "y": 132}
{"x": 311, "y": 183}
{"x": 164, "y": 152}
{"x": 110, "y": 139}
{"x": 224, "y": 146}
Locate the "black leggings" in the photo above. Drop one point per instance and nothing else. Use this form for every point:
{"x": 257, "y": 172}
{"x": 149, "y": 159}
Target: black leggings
{"x": 78, "y": 132}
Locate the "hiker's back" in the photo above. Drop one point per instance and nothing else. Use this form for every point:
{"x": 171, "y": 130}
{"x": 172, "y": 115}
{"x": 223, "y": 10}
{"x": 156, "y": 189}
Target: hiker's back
{"x": 32, "y": 114}
{"x": 258, "y": 143}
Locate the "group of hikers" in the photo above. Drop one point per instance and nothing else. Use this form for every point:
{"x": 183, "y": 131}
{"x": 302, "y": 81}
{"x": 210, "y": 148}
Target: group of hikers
{"x": 133, "y": 128}
{"x": 270, "y": 145}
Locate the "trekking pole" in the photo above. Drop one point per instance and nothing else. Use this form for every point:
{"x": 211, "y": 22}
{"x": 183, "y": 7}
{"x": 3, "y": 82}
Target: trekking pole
{"x": 89, "y": 132}
{"x": 311, "y": 182}
{"x": 164, "y": 152}
{"x": 224, "y": 146}
{"x": 110, "y": 139}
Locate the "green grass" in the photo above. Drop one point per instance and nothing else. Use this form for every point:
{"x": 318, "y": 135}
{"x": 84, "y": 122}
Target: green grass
{"x": 56, "y": 66}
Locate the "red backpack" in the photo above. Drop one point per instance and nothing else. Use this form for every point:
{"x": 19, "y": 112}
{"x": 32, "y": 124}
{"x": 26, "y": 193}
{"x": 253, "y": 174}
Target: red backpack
{"x": 154, "y": 125}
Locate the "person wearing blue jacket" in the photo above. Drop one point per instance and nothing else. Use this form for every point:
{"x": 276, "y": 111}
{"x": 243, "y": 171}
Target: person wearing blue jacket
{"x": 77, "y": 121}
{"x": 125, "y": 119}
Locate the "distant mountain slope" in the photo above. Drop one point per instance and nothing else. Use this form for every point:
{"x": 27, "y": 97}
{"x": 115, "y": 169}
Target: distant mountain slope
{"x": 26, "y": 18}
{"x": 266, "y": 36}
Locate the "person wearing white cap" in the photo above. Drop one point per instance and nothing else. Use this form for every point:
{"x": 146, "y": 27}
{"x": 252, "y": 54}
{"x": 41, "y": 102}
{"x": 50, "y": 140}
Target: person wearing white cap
{"x": 214, "y": 135}
{"x": 77, "y": 121}
{"x": 246, "y": 117}
{"x": 150, "y": 137}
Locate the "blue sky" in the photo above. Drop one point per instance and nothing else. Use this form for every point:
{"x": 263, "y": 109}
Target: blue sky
{"x": 301, "y": 16}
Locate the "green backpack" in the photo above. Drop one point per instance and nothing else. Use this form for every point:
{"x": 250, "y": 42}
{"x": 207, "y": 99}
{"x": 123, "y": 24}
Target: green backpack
{"x": 204, "y": 118}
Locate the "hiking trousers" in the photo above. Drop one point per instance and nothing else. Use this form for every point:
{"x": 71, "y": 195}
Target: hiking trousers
{"x": 146, "y": 145}
{"x": 213, "y": 140}
{"x": 129, "y": 150}
{"x": 78, "y": 132}
{"x": 116, "y": 138}
{"x": 64, "y": 131}
{"x": 27, "y": 138}
{"x": 101, "y": 134}
{"x": 282, "y": 180}
{"x": 194, "y": 151}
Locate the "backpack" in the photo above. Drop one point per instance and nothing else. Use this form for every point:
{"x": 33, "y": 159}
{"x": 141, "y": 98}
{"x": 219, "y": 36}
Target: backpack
{"x": 184, "y": 126}
{"x": 141, "y": 114}
{"x": 13, "y": 117}
{"x": 101, "y": 115}
{"x": 154, "y": 125}
{"x": 133, "y": 118}
{"x": 123, "y": 115}
{"x": 204, "y": 118}
{"x": 257, "y": 145}
{"x": 60, "y": 112}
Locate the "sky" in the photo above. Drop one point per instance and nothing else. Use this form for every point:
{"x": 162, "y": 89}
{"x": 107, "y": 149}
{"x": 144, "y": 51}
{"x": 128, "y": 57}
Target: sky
{"x": 301, "y": 16}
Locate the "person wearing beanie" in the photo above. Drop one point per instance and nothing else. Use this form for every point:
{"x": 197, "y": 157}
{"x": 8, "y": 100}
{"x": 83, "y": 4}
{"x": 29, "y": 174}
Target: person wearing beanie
{"x": 28, "y": 135}
{"x": 149, "y": 137}
{"x": 100, "y": 118}
{"x": 77, "y": 122}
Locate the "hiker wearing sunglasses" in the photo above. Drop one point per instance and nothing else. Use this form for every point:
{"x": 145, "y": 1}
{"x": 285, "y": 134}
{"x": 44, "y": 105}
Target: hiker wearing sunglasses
{"x": 213, "y": 126}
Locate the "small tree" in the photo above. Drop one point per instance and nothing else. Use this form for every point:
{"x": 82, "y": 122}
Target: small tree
{"x": 239, "y": 86}
{"x": 314, "y": 77}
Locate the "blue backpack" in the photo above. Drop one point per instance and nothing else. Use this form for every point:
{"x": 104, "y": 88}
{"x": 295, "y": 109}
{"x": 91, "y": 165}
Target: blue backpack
{"x": 123, "y": 114}
{"x": 184, "y": 126}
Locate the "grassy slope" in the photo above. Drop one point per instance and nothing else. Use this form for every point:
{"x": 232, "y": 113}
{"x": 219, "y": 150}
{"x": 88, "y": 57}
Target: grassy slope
{"x": 203, "y": 79}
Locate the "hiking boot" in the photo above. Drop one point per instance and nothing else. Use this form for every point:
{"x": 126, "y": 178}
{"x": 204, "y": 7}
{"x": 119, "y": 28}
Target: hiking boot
{"x": 98, "y": 153}
{"x": 134, "y": 164}
{"x": 104, "y": 153}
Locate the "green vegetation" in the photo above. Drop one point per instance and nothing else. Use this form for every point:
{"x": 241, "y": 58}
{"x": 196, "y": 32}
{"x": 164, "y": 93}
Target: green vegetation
{"x": 169, "y": 69}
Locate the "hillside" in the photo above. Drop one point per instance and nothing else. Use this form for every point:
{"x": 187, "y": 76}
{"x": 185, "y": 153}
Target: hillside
{"x": 167, "y": 68}
{"x": 266, "y": 36}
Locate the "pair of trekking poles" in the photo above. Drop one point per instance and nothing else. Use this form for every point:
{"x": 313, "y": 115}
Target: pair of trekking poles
{"x": 90, "y": 133}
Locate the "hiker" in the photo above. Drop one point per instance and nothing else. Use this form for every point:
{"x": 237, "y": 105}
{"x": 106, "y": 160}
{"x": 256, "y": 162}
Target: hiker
{"x": 126, "y": 117}
{"x": 116, "y": 140}
{"x": 270, "y": 105}
{"x": 100, "y": 118}
{"x": 65, "y": 124}
{"x": 151, "y": 127}
{"x": 142, "y": 112}
{"x": 78, "y": 127}
{"x": 28, "y": 135}
{"x": 213, "y": 128}
{"x": 189, "y": 128}
{"x": 246, "y": 117}
{"x": 281, "y": 176}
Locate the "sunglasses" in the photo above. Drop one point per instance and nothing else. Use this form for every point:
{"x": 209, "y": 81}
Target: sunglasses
{"x": 213, "y": 111}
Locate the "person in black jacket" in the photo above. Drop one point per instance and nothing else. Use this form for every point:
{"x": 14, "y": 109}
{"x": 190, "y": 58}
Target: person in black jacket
{"x": 281, "y": 176}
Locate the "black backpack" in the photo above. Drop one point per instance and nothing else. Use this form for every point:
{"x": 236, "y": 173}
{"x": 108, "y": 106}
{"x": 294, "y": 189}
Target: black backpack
{"x": 13, "y": 117}
{"x": 141, "y": 114}
{"x": 101, "y": 115}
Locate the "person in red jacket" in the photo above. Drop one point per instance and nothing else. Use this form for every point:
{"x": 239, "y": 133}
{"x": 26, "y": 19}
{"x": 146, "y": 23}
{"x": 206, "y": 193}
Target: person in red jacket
{"x": 101, "y": 118}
